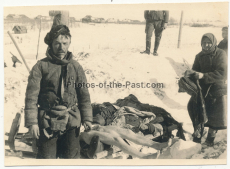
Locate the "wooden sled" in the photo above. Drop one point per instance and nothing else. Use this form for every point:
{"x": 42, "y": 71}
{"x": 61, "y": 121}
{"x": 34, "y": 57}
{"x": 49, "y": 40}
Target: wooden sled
{"x": 14, "y": 130}
{"x": 20, "y": 144}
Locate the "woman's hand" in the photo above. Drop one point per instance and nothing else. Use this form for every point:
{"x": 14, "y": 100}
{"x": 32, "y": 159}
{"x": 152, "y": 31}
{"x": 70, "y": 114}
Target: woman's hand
{"x": 200, "y": 75}
{"x": 189, "y": 72}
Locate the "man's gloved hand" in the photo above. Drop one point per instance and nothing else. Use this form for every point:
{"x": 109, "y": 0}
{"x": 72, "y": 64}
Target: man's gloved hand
{"x": 164, "y": 25}
{"x": 87, "y": 125}
{"x": 34, "y": 131}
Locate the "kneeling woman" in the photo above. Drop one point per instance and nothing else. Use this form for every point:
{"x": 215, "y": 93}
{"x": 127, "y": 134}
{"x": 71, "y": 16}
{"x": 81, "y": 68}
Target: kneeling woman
{"x": 210, "y": 66}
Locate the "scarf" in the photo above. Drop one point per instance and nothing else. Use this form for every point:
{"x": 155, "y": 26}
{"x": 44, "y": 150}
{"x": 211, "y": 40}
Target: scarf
{"x": 212, "y": 38}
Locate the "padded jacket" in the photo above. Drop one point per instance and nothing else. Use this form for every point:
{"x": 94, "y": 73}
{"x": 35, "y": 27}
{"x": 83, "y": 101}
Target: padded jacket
{"x": 44, "y": 86}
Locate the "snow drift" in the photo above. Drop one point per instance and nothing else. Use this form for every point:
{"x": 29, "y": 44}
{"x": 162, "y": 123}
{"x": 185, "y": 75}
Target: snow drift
{"x": 111, "y": 53}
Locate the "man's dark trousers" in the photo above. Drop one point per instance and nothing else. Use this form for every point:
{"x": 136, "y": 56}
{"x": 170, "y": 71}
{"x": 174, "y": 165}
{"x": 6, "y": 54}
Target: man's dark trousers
{"x": 157, "y": 27}
{"x": 65, "y": 146}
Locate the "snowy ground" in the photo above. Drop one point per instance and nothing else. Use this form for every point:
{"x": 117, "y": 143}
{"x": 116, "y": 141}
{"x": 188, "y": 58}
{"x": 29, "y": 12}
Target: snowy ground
{"x": 111, "y": 53}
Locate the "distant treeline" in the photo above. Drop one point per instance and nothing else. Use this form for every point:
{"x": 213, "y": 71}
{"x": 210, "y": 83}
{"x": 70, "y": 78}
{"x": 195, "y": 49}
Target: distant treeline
{"x": 91, "y": 19}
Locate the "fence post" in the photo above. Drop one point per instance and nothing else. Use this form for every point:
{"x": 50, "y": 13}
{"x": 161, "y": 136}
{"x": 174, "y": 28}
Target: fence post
{"x": 39, "y": 36}
{"x": 180, "y": 29}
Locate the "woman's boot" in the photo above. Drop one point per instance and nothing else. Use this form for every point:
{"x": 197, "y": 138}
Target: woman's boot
{"x": 210, "y": 138}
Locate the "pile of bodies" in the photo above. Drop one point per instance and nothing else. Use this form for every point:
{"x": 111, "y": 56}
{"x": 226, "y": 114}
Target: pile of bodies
{"x": 129, "y": 120}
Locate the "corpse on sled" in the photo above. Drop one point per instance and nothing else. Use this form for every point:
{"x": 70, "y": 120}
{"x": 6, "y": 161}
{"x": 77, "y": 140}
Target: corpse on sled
{"x": 138, "y": 120}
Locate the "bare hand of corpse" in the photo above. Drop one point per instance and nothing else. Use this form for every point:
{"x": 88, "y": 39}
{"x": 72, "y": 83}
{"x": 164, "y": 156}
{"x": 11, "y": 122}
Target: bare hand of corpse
{"x": 87, "y": 125}
{"x": 34, "y": 131}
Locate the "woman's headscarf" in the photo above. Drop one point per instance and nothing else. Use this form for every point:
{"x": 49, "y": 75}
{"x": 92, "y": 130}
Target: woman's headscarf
{"x": 212, "y": 38}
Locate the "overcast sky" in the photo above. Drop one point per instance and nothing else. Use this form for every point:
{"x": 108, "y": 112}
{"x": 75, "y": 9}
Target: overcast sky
{"x": 206, "y": 10}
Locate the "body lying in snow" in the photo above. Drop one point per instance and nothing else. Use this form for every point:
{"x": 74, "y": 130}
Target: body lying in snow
{"x": 113, "y": 135}
{"x": 159, "y": 124}
{"x": 119, "y": 123}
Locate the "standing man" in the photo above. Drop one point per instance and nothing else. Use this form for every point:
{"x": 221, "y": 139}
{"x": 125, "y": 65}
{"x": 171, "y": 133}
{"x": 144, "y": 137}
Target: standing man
{"x": 56, "y": 103}
{"x": 155, "y": 20}
{"x": 224, "y": 43}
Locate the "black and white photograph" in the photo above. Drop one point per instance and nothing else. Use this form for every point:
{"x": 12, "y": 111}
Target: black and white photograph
{"x": 116, "y": 84}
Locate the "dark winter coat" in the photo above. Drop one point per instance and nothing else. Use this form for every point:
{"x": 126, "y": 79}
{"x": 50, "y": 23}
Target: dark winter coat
{"x": 214, "y": 68}
{"x": 196, "y": 106}
{"x": 213, "y": 64}
{"x": 224, "y": 45}
{"x": 156, "y": 15}
{"x": 44, "y": 85}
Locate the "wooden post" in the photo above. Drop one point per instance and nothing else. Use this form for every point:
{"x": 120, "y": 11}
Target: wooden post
{"x": 180, "y": 30}
{"x": 39, "y": 37}
{"x": 64, "y": 16}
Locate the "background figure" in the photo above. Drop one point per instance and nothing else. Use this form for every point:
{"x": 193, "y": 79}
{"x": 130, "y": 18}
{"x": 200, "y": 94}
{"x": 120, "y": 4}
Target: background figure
{"x": 224, "y": 43}
{"x": 155, "y": 20}
{"x": 210, "y": 68}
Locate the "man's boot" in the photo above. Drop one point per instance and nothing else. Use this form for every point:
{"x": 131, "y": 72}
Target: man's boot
{"x": 156, "y": 45}
{"x": 155, "y": 53}
{"x": 147, "y": 50}
{"x": 95, "y": 147}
